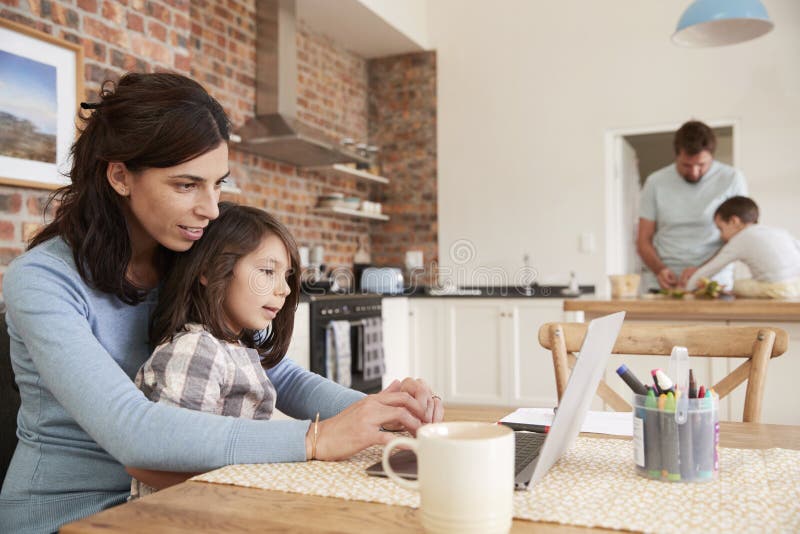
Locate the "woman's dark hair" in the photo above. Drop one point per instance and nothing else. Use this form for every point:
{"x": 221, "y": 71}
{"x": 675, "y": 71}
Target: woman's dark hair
{"x": 743, "y": 207}
{"x": 153, "y": 120}
{"x": 183, "y": 299}
{"x": 694, "y": 137}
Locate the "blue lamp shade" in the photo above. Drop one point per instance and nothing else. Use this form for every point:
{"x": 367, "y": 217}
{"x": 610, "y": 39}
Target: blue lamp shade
{"x": 721, "y": 22}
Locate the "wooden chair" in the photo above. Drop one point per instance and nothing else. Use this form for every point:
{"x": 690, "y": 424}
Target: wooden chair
{"x": 757, "y": 344}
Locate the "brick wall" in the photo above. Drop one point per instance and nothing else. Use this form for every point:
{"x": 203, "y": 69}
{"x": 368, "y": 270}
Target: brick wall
{"x": 213, "y": 41}
{"x": 402, "y": 120}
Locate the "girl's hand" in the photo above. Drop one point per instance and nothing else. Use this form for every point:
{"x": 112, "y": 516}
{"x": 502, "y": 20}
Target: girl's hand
{"x": 359, "y": 425}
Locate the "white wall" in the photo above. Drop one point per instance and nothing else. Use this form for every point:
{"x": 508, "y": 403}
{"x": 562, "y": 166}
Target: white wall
{"x": 527, "y": 89}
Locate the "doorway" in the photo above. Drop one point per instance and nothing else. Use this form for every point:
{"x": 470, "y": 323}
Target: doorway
{"x": 631, "y": 156}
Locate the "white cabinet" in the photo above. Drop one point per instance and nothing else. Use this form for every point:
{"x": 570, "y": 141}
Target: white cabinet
{"x": 394, "y": 313}
{"x": 484, "y": 351}
{"x": 533, "y": 381}
{"x": 300, "y": 346}
{"x": 426, "y": 325}
{"x": 477, "y": 352}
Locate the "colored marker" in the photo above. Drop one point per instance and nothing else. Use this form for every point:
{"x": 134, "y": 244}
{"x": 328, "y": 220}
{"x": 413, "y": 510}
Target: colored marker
{"x": 652, "y": 447}
{"x": 662, "y": 432}
{"x": 670, "y": 449}
{"x": 665, "y": 383}
{"x": 630, "y": 379}
{"x": 701, "y": 392}
{"x": 692, "y": 385}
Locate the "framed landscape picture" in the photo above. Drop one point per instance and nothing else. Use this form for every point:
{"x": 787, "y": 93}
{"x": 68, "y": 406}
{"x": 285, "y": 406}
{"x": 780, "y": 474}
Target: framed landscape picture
{"x": 41, "y": 84}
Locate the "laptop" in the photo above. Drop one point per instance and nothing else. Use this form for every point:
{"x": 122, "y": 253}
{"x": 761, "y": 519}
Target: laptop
{"x": 536, "y": 452}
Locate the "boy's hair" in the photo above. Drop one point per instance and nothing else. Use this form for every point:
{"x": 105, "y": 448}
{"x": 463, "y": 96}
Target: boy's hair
{"x": 237, "y": 231}
{"x": 694, "y": 137}
{"x": 742, "y": 207}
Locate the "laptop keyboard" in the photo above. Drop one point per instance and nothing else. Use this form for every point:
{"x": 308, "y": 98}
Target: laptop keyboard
{"x": 528, "y": 445}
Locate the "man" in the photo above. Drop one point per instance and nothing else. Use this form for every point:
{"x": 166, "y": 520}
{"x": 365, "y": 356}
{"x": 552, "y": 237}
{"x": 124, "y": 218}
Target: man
{"x": 676, "y": 225}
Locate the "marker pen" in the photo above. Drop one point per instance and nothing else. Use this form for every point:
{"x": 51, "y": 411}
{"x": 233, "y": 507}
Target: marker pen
{"x": 630, "y": 379}
{"x": 664, "y": 382}
{"x": 541, "y": 429}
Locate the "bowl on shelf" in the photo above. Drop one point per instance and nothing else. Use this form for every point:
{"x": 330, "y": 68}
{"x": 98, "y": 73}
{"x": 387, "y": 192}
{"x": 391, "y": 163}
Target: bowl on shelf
{"x": 351, "y": 203}
{"x": 332, "y": 200}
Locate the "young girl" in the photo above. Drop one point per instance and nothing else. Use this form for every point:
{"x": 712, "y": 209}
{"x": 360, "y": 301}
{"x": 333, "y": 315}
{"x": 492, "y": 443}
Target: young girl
{"x": 145, "y": 182}
{"x": 240, "y": 279}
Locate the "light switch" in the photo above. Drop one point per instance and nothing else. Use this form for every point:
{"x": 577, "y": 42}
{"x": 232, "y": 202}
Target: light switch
{"x": 587, "y": 242}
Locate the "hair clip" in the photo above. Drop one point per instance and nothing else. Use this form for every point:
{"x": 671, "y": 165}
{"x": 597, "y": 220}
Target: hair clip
{"x": 90, "y": 105}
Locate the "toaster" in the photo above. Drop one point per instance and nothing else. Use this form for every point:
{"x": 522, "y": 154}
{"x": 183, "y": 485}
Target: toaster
{"x": 382, "y": 280}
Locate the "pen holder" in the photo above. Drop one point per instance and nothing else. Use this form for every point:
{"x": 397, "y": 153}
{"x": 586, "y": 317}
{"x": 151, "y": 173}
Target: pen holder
{"x": 673, "y": 451}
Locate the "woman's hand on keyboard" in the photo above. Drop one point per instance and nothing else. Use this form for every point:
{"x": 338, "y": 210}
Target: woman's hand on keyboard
{"x": 359, "y": 425}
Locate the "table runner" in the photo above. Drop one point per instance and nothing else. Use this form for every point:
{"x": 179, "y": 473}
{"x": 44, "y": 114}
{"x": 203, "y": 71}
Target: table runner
{"x": 593, "y": 484}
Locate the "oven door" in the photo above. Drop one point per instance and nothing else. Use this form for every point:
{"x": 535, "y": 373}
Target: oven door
{"x": 327, "y": 309}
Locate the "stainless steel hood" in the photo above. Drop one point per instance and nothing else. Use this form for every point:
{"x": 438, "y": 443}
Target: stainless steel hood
{"x": 275, "y": 132}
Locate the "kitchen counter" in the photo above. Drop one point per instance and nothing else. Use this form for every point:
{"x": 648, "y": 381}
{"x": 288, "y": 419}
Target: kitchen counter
{"x": 658, "y": 307}
{"x": 483, "y": 292}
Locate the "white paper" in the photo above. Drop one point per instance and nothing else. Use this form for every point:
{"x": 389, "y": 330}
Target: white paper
{"x": 614, "y": 423}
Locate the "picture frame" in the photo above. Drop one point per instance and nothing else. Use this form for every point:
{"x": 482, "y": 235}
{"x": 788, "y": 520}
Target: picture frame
{"x": 41, "y": 86}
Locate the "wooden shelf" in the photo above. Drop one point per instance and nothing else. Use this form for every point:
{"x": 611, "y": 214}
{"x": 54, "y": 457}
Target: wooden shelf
{"x": 349, "y": 172}
{"x": 351, "y": 213}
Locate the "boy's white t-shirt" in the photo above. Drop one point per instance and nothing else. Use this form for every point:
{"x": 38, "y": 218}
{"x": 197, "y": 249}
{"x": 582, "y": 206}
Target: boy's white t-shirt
{"x": 771, "y": 254}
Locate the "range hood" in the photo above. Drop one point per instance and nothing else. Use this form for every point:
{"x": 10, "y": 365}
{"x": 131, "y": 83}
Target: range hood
{"x": 275, "y": 132}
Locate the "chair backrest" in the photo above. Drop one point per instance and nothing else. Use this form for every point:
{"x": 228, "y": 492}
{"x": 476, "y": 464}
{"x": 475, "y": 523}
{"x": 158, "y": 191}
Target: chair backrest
{"x": 757, "y": 344}
{"x": 9, "y": 401}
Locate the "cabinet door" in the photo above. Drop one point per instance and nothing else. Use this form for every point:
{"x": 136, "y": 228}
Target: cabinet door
{"x": 533, "y": 382}
{"x": 394, "y": 312}
{"x": 300, "y": 346}
{"x": 426, "y": 342}
{"x": 780, "y": 405}
{"x": 475, "y": 363}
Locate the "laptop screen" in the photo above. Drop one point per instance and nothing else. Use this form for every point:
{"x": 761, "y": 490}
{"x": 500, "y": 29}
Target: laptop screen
{"x": 601, "y": 335}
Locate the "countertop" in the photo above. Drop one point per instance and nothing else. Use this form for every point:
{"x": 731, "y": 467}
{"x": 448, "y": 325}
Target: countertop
{"x": 483, "y": 292}
{"x": 659, "y": 307}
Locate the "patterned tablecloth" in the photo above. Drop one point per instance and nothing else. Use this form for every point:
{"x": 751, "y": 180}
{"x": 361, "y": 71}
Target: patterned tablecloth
{"x": 594, "y": 484}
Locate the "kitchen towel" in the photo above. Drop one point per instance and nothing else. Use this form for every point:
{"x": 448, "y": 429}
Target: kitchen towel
{"x": 372, "y": 348}
{"x": 337, "y": 352}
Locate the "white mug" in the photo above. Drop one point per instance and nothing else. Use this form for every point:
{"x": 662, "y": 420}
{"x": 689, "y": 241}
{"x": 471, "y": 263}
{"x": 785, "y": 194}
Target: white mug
{"x": 465, "y": 476}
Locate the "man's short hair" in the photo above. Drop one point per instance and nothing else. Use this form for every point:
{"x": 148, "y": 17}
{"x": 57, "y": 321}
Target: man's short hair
{"x": 694, "y": 137}
{"x": 742, "y": 207}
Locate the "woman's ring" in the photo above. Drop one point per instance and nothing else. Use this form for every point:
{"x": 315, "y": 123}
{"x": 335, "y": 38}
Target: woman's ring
{"x": 436, "y": 397}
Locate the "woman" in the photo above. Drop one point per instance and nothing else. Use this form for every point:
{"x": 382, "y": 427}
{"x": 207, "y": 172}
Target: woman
{"x": 146, "y": 174}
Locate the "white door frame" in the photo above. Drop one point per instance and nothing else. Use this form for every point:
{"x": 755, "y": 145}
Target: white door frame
{"x": 614, "y": 187}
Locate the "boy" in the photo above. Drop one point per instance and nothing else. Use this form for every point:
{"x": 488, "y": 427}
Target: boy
{"x": 772, "y": 254}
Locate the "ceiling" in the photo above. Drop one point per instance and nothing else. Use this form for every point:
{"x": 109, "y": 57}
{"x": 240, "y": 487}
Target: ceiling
{"x": 355, "y": 27}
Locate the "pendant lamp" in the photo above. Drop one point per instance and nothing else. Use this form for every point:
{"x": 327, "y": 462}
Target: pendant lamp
{"x": 721, "y": 22}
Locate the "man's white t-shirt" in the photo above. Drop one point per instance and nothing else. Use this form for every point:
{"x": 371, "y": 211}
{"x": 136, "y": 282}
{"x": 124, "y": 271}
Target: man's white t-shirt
{"x": 684, "y": 215}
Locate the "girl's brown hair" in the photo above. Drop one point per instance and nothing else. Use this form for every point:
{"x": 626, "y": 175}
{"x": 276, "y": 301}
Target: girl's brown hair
{"x": 183, "y": 299}
{"x": 153, "y": 120}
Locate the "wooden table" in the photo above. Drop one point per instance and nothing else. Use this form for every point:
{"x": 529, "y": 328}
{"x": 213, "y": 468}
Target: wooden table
{"x": 660, "y": 307}
{"x": 200, "y": 506}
